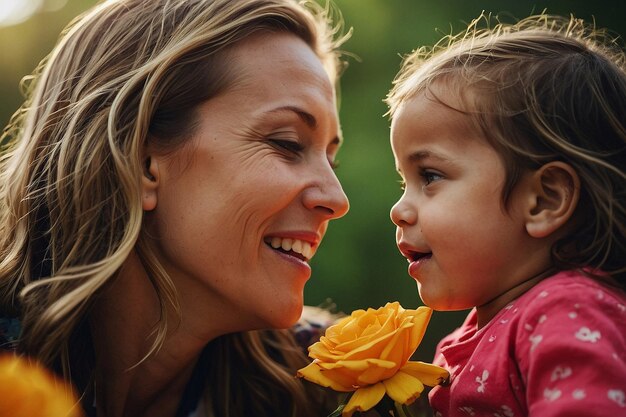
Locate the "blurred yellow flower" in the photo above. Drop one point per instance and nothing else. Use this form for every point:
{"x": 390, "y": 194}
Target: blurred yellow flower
{"x": 368, "y": 353}
{"x": 29, "y": 390}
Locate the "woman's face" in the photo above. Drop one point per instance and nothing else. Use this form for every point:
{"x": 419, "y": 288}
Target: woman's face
{"x": 241, "y": 210}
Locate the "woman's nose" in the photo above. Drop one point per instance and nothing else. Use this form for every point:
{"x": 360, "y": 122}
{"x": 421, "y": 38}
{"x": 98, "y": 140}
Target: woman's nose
{"x": 402, "y": 213}
{"x": 327, "y": 196}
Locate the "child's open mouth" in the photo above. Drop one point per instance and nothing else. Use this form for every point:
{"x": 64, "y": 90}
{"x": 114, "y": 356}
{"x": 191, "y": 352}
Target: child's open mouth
{"x": 416, "y": 256}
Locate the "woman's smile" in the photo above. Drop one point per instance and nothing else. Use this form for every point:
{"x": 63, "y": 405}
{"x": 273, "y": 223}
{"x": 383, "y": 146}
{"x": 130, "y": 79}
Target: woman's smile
{"x": 299, "y": 248}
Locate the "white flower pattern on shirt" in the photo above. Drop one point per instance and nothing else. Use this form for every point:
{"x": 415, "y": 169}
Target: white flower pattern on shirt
{"x": 585, "y": 334}
{"x": 617, "y": 396}
{"x": 505, "y": 411}
{"x": 535, "y": 340}
{"x": 467, "y": 410}
{"x": 482, "y": 381}
{"x": 560, "y": 372}
{"x": 551, "y": 394}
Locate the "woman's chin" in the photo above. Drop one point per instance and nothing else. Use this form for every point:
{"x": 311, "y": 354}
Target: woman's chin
{"x": 283, "y": 317}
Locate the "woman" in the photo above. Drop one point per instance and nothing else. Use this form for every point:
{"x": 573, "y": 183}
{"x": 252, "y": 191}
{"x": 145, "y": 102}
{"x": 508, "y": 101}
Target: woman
{"x": 162, "y": 191}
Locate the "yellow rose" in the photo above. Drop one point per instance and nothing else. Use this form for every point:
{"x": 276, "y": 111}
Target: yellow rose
{"x": 368, "y": 352}
{"x": 28, "y": 390}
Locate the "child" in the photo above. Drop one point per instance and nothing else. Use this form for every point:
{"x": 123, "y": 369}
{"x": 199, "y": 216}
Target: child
{"x": 511, "y": 143}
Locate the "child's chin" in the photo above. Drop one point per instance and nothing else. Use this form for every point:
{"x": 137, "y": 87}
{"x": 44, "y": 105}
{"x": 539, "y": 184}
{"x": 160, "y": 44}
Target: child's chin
{"x": 436, "y": 302}
{"x": 428, "y": 299}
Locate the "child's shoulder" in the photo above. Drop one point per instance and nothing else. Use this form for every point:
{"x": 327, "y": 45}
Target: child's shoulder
{"x": 571, "y": 296}
{"x": 574, "y": 286}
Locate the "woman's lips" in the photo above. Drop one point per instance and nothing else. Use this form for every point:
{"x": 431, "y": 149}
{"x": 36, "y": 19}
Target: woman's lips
{"x": 299, "y": 260}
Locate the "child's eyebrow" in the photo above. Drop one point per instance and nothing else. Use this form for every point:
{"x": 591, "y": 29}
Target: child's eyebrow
{"x": 421, "y": 155}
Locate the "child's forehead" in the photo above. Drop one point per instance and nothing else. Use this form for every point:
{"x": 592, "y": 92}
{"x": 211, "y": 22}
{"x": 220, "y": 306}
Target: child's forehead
{"x": 427, "y": 118}
{"x": 437, "y": 106}
{"x": 452, "y": 89}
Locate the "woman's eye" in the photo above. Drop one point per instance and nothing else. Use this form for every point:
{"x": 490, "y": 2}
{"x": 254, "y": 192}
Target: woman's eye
{"x": 402, "y": 184}
{"x": 287, "y": 145}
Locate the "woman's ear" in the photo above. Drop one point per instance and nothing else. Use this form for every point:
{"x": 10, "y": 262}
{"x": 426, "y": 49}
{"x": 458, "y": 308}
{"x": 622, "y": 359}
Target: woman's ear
{"x": 554, "y": 197}
{"x": 149, "y": 183}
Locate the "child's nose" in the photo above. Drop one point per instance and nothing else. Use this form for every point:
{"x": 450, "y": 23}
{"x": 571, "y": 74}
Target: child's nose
{"x": 402, "y": 214}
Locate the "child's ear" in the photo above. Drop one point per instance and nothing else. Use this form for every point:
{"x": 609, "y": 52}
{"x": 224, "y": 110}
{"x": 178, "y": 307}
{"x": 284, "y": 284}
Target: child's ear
{"x": 555, "y": 191}
{"x": 149, "y": 183}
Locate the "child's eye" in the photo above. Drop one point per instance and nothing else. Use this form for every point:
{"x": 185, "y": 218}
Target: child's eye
{"x": 430, "y": 176}
{"x": 402, "y": 184}
{"x": 334, "y": 163}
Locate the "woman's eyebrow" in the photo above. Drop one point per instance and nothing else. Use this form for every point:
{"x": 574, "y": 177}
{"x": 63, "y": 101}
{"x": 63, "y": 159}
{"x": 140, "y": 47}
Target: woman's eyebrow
{"x": 305, "y": 116}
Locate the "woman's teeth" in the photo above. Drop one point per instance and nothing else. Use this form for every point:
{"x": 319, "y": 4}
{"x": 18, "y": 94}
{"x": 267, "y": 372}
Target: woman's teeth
{"x": 296, "y": 245}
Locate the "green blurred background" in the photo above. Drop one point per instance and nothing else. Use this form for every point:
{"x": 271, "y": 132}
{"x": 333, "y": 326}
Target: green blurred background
{"x": 358, "y": 266}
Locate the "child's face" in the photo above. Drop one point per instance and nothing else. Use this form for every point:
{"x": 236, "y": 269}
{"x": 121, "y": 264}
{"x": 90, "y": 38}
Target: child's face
{"x": 463, "y": 247}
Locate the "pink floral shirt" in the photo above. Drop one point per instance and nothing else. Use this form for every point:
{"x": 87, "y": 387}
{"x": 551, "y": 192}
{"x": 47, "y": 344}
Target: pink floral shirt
{"x": 558, "y": 350}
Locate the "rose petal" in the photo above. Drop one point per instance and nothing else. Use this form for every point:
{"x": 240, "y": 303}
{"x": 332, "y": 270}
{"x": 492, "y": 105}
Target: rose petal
{"x": 359, "y": 350}
{"x": 398, "y": 349}
{"x": 395, "y": 306}
{"x": 314, "y": 373}
{"x": 403, "y": 388}
{"x": 370, "y": 330}
{"x": 348, "y": 346}
{"x": 375, "y": 374}
{"x": 343, "y": 377}
{"x": 346, "y": 327}
{"x": 320, "y": 350}
{"x": 364, "y": 399}
{"x": 429, "y": 374}
{"x": 359, "y": 365}
{"x": 367, "y": 319}
{"x": 420, "y": 321}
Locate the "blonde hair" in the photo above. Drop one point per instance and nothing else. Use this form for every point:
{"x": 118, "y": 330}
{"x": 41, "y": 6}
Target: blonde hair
{"x": 123, "y": 73}
{"x": 542, "y": 89}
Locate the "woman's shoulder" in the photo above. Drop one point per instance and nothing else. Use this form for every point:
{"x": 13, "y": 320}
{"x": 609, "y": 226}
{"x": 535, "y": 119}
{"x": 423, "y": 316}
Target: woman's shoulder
{"x": 313, "y": 324}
